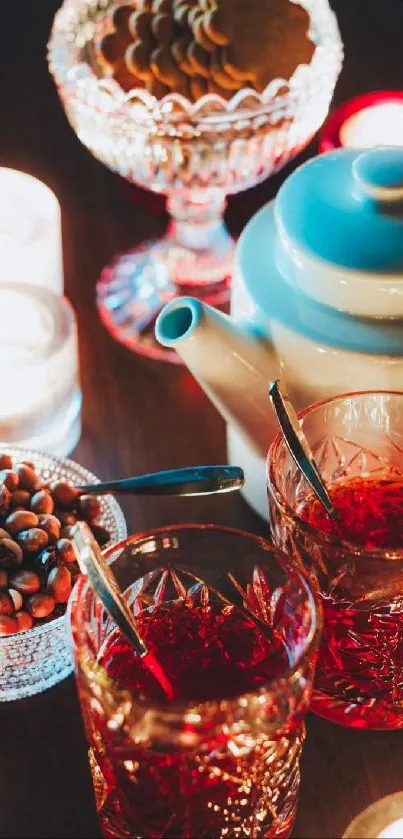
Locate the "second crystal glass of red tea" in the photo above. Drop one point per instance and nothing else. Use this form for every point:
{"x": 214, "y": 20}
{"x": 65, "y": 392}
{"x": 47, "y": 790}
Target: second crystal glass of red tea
{"x": 235, "y": 628}
{"x": 357, "y": 440}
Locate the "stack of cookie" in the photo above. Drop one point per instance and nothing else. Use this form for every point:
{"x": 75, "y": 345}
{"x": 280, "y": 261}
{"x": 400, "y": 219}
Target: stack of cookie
{"x": 194, "y": 47}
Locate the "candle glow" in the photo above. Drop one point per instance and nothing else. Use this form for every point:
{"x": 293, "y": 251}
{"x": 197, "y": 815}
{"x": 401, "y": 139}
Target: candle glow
{"x": 373, "y": 119}
{"x": 25, "y": 334}
{"x": 38, "y": 369}
{"x": 30, "y": 232}
{"x": 381, "y": 820}
{"x": 392, "y": 831}
{"x": 379, "y": 125}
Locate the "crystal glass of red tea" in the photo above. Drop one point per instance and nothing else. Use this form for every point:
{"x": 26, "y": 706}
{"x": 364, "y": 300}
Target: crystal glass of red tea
{"x": 357, "y": 440}
{"x": 235, "y": 627}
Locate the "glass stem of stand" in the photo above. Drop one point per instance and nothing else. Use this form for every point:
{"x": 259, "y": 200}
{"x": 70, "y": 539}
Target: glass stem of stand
{"x": 201, "y": 249}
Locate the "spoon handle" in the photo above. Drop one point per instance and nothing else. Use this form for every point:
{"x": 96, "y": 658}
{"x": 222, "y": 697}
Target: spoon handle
{"x": 103, "y": 581}
{"x": 298, "y": 445}
{"x": 193, "y": 480}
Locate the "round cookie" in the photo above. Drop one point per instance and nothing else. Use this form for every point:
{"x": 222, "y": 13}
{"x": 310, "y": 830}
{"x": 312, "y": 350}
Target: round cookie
{"x": 140, "y": 23}
{"x": 213, "y": 87}
{"x": 194, "y": 47}
{"x": 112, "y": 47}
{"x": 181, "y": 9}
{"x": 151, "y": 28}
{"x": 179, "y": 50}
{"x": 138, "y": 60}
{"x": 198, "y": 87}
{"x": 200, "y": 59}
{"x": 196, "y": 23}
{"x": 163, "y": 28}
{"x": 222, "y": 78}
{"x": 157, "y": 89}
{"x": 263, "y": 39}
{"x": 120, "y": 17}
{"x": 138, "y": 54}
{"x": 162, "y": 7}
{"x": 165, "y": 70}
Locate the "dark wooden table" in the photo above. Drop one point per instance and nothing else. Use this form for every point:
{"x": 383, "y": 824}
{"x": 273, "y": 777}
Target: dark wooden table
{"x": 45, "y": 787}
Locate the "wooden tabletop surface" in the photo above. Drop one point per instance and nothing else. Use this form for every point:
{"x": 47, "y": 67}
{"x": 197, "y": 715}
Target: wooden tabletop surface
{"x": 140, "y": 415}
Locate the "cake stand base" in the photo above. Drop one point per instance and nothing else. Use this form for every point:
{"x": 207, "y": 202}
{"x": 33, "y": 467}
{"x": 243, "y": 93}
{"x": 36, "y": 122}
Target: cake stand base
{"x": 133, "y": 289}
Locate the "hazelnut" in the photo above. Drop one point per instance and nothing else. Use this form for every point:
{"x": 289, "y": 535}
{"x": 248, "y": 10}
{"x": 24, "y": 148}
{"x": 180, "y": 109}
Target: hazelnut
{"x": 38, "y": 563}
{"x": 6, "y": 604}
{"x": 25, "y": 581}
{"x": 8, "y": 625}
{"x": 24, "y": 620}
{"x": 20, "y": 520}
{"x": 59, "y": 584}
{"x": 40, "y": 605}
{"x": 28, "y": 477}
{"x": 6, "y": 461}
{"x": 32, "y": 540}
{"x": 9, "y": 478}
{"x": 64, "y": 494}
{"x": 51, "y": 525}
{"x": 89, "y": 507}
{"x": 20, "y": 499}
{"x": 10, "y": 553}
{"x": 65, "y": 551}
{"x": 5, "y": 501}
{"x": 42, "y": 502}
{"x": 67, "y": 519}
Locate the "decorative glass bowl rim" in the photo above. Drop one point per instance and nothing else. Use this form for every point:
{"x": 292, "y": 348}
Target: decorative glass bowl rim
{"x": 86, "y": 476}
{"x": 324, "y": 540}
{"x": 99, "y": 675}
{"x": 74, "y": 74}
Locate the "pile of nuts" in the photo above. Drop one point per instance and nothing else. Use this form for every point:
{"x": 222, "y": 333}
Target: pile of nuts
{"x": 37, "y": 560}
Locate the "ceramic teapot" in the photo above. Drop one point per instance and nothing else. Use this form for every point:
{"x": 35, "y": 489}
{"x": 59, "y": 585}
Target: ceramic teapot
{"x": 317, "y": 300}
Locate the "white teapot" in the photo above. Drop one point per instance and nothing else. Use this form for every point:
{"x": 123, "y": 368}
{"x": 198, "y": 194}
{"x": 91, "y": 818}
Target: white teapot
{"x": 317, "y": 300}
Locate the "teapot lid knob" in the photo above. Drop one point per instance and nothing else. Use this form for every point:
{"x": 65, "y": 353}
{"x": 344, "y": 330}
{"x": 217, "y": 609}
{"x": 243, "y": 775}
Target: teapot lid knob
{"x": 379, "y": 173}
{"x": 344, "y": 209}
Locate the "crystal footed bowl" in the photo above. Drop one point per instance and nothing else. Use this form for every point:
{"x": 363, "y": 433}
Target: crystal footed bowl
{"x": 33, "y": 661}
{"x": 194, "y": 153}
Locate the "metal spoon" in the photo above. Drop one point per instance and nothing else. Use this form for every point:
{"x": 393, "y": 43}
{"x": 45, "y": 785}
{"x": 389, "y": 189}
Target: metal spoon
{"x": 105, "y": 585}
{"x": 103, "y": 581}
{"x": 298, "y": 445}
{"x": 193, "y": 480}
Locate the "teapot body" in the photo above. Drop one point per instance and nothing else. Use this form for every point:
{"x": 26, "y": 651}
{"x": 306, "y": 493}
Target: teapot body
{"x": 317, "y": 352}
{"x": 317, "y": 300}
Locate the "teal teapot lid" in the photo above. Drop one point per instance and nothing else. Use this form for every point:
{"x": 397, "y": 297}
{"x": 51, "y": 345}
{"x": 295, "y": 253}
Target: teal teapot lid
{"x": 339, "y": 224}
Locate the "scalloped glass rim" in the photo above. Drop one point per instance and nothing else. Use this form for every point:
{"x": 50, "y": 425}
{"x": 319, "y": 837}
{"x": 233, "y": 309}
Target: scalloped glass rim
{"x": 70, "y": 71}
{"x": 86, "y": 476}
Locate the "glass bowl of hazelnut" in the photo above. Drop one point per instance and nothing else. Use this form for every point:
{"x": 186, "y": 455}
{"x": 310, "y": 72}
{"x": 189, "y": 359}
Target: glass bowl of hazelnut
{"x": 194, "y": 99}
{"x": 38, "y": 507}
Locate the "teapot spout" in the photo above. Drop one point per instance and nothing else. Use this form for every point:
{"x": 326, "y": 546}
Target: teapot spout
{"x": 232, "y": 365}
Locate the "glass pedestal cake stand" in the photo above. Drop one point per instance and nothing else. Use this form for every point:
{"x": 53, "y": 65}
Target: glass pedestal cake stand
{"x": 194, "y": 153}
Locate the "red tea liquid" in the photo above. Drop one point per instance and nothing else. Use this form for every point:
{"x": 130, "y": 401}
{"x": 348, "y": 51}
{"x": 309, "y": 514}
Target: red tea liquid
{"x": 359, "y": 677}
{"x": 160, "y": 788}
{"x": 205, "y": 654}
